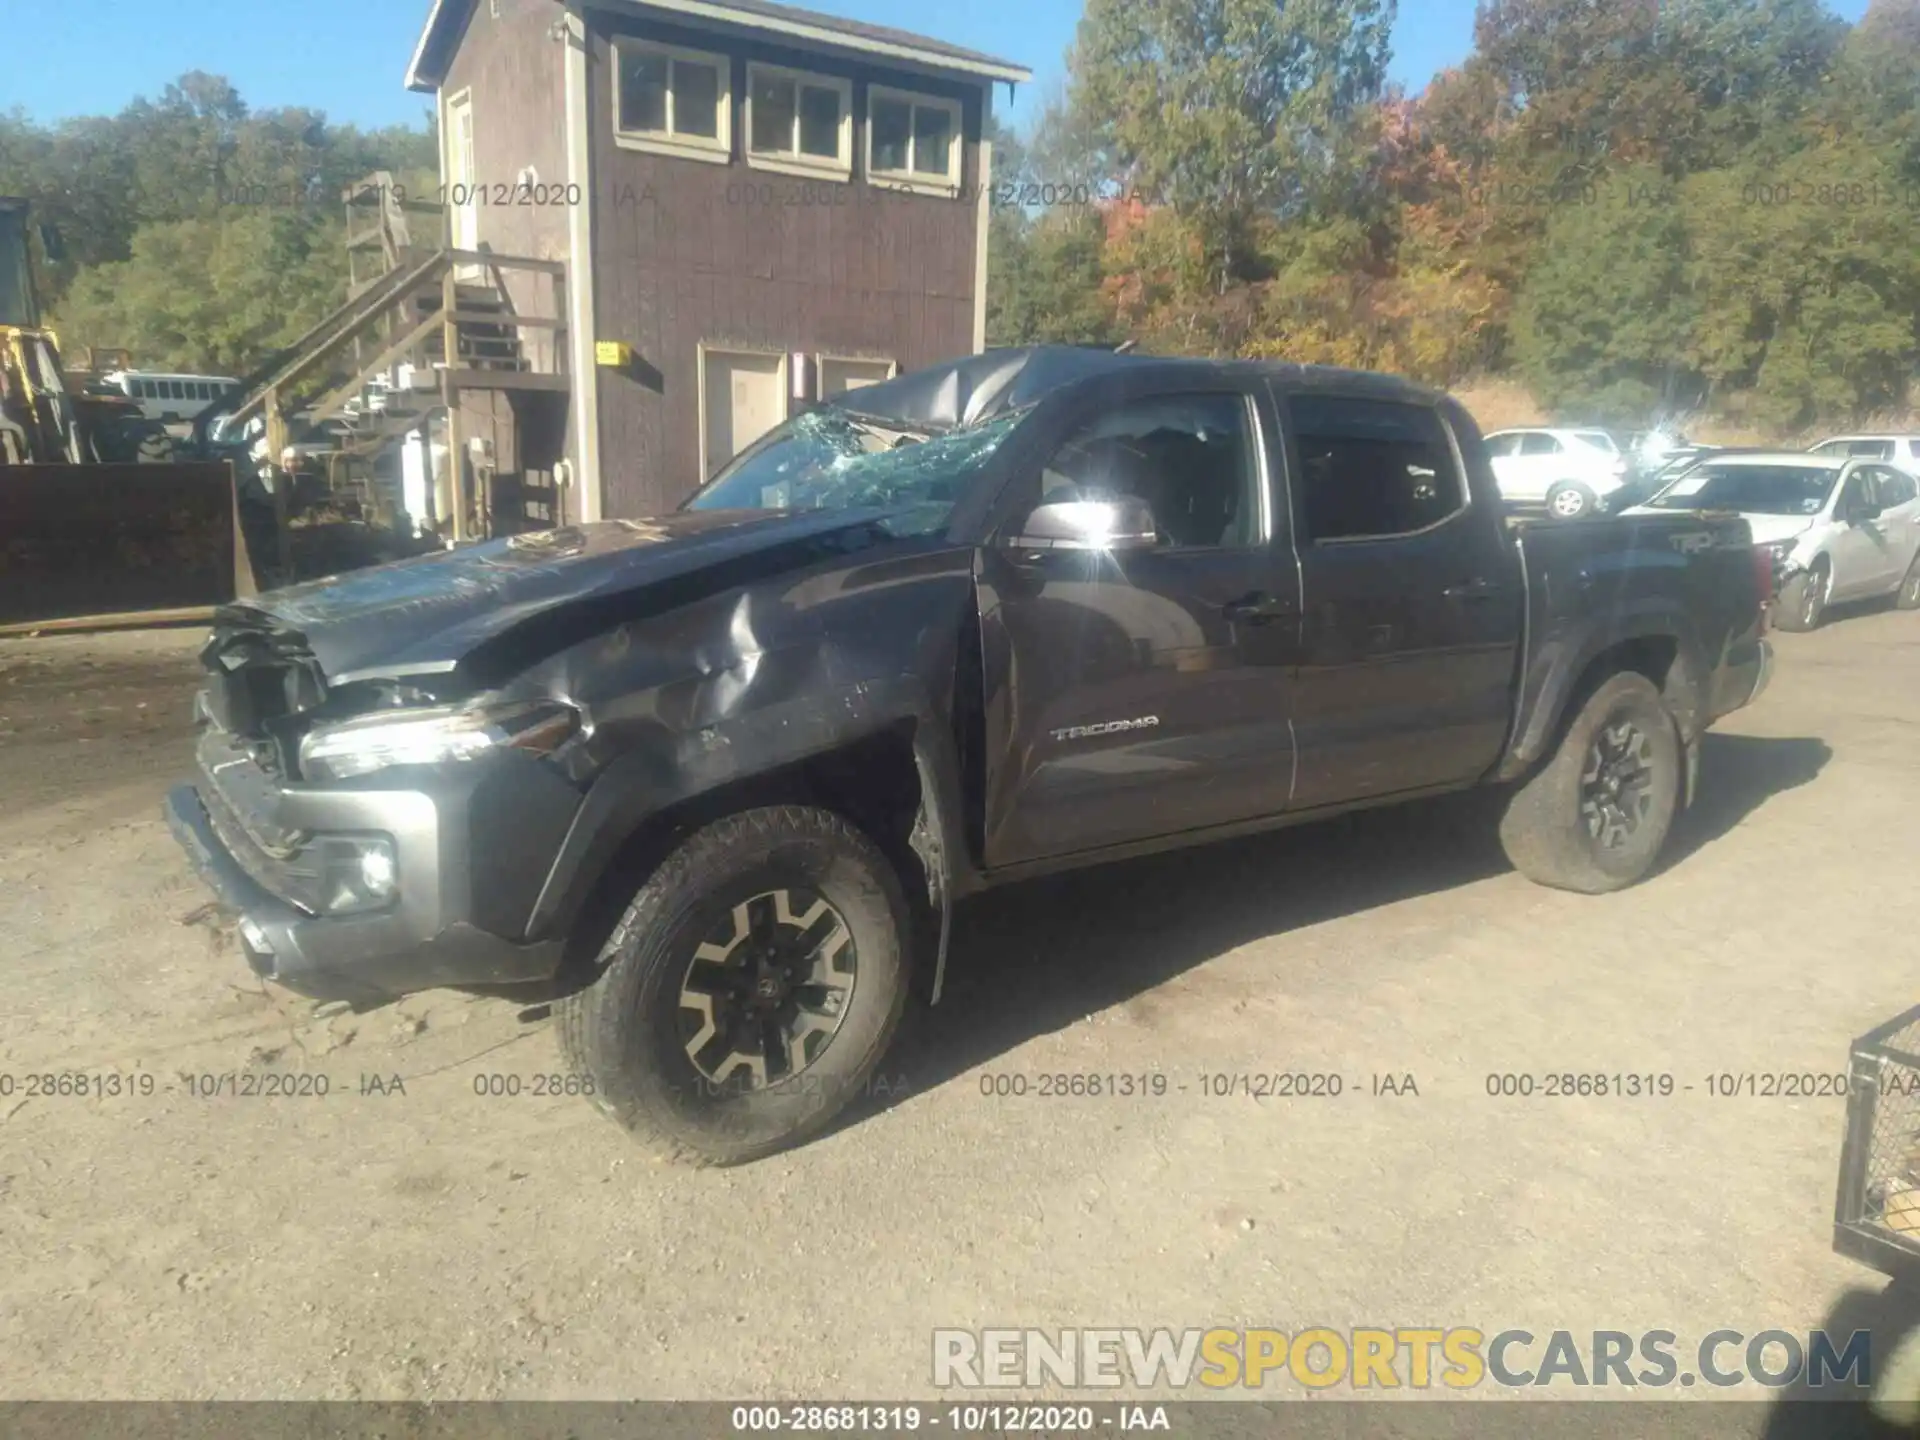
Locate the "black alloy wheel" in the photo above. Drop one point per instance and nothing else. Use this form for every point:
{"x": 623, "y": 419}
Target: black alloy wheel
{"x": 767, "y": 989}
{"x": 1616, "y": 787}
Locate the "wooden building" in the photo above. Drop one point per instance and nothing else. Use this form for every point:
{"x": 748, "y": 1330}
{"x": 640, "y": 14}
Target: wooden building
{"x": 757, "y": 206}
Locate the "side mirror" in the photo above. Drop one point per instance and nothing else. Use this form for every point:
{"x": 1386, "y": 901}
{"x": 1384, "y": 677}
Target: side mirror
{"x": 1122, "y": 523}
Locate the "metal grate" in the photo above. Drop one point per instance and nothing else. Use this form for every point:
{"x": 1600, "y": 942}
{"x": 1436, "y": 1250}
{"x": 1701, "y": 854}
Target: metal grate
{"x": 1877, "y": 1212}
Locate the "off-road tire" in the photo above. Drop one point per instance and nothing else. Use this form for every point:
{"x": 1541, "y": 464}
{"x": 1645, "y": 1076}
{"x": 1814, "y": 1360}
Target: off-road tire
{"x": 1544, "y": 831}
{"x": 1907, "y": 597}
{"x": 1803, "y": 600}
{"x": 620, "y": 1032}
{"x": 1589, "y": 502}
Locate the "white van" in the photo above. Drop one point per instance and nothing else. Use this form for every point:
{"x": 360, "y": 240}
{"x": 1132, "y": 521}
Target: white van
{"x": 170, "y": 397}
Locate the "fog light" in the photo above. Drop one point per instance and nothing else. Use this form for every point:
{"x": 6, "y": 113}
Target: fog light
{"x": 376, "y": 871}
{"x": 357, "y": 873}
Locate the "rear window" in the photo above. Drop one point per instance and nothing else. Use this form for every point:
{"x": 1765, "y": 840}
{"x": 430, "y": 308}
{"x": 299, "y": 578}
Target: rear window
{"x": 1754, "y": 489}
{"x": 1371, "y": 469}
{"x": 1598, "y": 439}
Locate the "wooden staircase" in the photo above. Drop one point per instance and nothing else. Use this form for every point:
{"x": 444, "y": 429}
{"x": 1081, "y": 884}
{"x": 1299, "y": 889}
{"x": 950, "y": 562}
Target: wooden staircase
{"x": 449, "y": 314}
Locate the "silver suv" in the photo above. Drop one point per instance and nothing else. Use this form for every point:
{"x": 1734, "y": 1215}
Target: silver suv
{"x": 1570, "y": 472}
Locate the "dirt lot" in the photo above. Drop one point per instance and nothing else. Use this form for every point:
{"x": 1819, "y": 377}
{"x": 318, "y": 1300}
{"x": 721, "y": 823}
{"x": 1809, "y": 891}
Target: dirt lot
{"x": 437, "y": 1243}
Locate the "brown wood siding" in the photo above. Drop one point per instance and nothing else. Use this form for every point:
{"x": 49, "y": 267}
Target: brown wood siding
{"x": 514, "y": 71}
{"x": 688, "y": 252}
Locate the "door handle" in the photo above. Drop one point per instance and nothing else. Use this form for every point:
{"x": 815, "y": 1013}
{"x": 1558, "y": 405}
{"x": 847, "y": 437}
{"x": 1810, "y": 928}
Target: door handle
{"x": 1257, "y": 607}
{"x": 1476, "y": 589}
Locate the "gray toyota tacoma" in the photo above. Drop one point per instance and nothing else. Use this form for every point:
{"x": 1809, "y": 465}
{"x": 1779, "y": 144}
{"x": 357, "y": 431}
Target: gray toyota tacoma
{"x": 715, "y": 780}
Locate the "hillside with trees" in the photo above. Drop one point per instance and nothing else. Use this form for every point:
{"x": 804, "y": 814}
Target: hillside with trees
{"x": 1632, "y": 208}
{"x": 198, "y": 233}
{"x": 1635, "y": 208}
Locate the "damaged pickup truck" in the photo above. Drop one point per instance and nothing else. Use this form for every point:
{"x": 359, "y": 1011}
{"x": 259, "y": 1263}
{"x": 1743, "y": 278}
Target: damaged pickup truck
{"x": 717, "y": 779}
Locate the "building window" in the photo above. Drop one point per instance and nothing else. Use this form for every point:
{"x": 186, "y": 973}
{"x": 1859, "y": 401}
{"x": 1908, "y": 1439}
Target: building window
{"x": 841, "y": 373}
{"x": 673, "y": 100}
{"x": 913, "y": 141}
{"x": 799, "y": 121}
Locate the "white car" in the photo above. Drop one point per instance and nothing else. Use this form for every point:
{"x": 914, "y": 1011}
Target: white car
{"x": 1571, "y": 472}
{"x": 1836, "y": 528}
{"x": 1902, "y": 450}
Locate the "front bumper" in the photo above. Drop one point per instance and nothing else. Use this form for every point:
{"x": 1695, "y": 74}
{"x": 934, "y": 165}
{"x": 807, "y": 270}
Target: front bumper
{"x": 472, "y": 854}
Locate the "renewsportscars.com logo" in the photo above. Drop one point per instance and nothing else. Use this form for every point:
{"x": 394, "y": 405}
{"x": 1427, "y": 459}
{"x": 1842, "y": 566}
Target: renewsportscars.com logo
{"x": 1418, "y": 1358}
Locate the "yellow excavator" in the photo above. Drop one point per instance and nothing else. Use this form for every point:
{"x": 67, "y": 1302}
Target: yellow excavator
{"x": 44, "y": 418}
{"x": 99, "y": 523}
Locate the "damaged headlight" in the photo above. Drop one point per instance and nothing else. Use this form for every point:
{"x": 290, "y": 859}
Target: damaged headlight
{"x": 1780, "y": 550}
{"x": 434, "y": 735}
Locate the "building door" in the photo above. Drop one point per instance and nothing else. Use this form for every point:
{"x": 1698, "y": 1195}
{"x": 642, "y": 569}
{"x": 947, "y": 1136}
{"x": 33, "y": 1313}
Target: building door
{"x": 743, "y": 394}
{"x": 838, "y": 376}
{"x": 462, "y": 186}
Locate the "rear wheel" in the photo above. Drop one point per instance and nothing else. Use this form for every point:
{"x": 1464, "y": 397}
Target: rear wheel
{"x": 1569, "y": 501}
{"x": 749, "y": 990}
{"x": 1594, "y": 817}
{"x": 1803, "y": 599}
{"x": 1908, "y": 595}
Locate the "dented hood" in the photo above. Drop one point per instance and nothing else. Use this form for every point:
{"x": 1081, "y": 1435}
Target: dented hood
{"x": 433, "y": 614}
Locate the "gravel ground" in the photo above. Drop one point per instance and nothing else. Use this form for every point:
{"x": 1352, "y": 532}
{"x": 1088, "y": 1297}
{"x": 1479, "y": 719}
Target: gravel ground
{"x": 420, "y": 1240}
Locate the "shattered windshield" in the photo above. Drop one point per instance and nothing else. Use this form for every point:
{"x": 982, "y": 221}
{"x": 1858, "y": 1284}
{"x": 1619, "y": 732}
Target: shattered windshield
{"x": 831, "y": 460}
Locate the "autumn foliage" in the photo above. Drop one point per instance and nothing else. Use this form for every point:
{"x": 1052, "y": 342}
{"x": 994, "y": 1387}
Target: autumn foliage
{"x": 1635, "y": 208}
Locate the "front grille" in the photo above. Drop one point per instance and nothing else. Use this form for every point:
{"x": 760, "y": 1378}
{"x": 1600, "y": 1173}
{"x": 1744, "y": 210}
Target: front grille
{"x": 238, "y": 798}
{"x": 234, "y": 767}
{"x": 1877, "y": 1213}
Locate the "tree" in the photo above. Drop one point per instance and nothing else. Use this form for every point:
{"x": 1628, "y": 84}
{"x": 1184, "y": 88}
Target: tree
{"x": 1045, "y": 286}
{"x": 1806, "y": 309}
{"x": 1606, "y": 320}
{"x": 1874, "y": 92}
{"x": 214, "y": 293}
{"x": 199, "y": 231}
{"x": 1226, "y": 110}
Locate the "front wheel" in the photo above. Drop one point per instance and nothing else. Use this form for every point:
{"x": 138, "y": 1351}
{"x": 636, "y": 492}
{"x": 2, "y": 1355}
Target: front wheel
{"x": 1803, "y": 599}
{"x": 749, "y": 990}
{"x": 1594, "y": 817}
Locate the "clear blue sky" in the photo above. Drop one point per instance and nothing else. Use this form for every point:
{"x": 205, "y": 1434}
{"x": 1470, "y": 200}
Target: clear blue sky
{"x": 346, "y": 57}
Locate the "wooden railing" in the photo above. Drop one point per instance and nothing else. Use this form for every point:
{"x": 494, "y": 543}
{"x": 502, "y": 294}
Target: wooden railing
{"x": 427, "y": 316}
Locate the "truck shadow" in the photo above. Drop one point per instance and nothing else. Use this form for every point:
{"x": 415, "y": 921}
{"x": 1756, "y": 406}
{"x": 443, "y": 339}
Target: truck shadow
{"x": 1836, "y": 1410}
{"x": 1038, "y": 956}
{"x": 1738, "y": 774}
